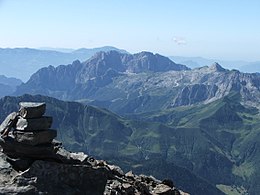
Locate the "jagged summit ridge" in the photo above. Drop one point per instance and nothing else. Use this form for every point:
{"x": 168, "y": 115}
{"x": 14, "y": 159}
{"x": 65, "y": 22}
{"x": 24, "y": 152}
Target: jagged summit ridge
{"x": 217, "y": 67}
{"x": 136, "y": 63}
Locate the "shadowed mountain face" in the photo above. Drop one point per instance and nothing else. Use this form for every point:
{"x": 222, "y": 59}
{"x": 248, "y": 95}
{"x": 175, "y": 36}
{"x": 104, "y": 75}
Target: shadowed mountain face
{"x": 141, "y": 82}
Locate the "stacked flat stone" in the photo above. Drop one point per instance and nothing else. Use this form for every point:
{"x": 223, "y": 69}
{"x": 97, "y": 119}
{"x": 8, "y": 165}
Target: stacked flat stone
{"x": 32, "y": 139}
{"x": 32, "y": 127}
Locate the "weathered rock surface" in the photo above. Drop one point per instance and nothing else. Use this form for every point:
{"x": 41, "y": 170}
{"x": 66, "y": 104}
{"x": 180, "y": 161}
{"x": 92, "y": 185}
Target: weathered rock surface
{"x": 32, "y": 109}
{"x": 4, "y": 124}
{"x": 33, "y": 124}
{"x": 78, "y": 174}
{"x": 45, "y": 177}
{"x": 35, "y": 137}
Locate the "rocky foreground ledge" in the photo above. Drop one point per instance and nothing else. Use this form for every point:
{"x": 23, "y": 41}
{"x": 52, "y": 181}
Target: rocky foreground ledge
{"x": 86, "y": 176}
{"x": 32, "y": 162}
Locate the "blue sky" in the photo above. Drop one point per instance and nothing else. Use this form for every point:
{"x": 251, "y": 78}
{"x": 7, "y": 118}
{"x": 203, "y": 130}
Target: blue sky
{"x": 223, "y": 29}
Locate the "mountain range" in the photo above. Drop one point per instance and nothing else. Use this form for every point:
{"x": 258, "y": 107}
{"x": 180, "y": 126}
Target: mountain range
{"x": 23, "y": 62}
{"x": 195, "y": 62}
{"x": 143, "y": 82}
{"x": 204, "y": 120}
{"x": 202, "y": 123}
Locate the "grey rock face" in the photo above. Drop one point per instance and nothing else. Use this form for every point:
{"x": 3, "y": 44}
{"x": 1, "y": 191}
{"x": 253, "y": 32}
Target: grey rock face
{"x": 68, "y": 179}
{"x": 195, "y": 93}
{"x": 77, "y": 177}
{"x": 45, "y": 177}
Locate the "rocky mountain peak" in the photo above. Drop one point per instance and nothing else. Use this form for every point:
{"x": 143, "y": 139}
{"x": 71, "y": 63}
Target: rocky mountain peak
{"x": 106, "y": 54}
{"x": 147, "y": 61}
{"x": 136, "y": 63}
{"x": 142, "y": 62}
{"x": 144, "y": 54}
{"x": 217, "y": 67}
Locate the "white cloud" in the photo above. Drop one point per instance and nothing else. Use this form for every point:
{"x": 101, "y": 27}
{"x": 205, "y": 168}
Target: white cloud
{"x": 180, "y": 40}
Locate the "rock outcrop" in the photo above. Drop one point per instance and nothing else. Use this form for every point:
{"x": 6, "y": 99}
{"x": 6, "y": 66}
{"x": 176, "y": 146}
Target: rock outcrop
{"x": 32, "y": 162}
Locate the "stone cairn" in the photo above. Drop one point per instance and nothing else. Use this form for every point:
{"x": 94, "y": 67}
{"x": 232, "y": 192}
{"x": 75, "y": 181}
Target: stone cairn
{"x": 32, "y": 128}
{"x": 32, "y": 139}
{"x": 32, "y": 162}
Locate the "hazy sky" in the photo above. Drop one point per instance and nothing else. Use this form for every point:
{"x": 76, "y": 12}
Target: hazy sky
{"x": 223, "y": 29}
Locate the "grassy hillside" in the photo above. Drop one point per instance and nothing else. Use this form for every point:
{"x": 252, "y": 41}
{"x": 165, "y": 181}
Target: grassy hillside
{"x": 218, "y": 142}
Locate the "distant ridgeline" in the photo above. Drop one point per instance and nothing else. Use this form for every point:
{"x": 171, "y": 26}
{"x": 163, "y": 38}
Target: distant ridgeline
{"x": 8, "y": 85}
{"x": 23, "y": 62}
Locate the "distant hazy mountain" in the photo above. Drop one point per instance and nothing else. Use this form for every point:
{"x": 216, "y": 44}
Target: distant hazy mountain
{"x": 23, "y": 62}
{"x": 8, "y": 85}
{"x": 195, "y": 62}
{"x": 63, "y": 50}
{"x": 89, "y": 51}
{"x": 251, "y": 67}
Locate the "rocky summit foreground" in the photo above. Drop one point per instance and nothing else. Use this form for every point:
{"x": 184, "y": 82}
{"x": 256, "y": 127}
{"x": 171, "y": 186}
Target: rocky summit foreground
{"x": 32, "y": 162}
